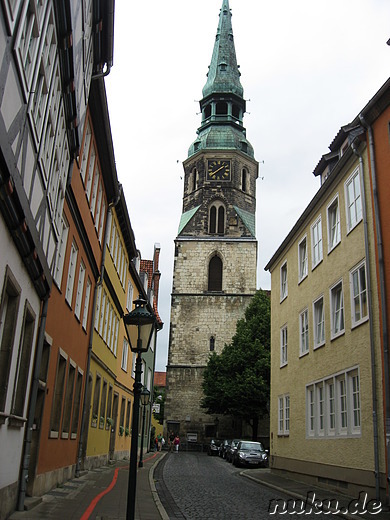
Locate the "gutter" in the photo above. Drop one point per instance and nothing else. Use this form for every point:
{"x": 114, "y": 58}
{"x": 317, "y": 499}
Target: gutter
{"x": 382, "y": 290}
{"x": 372, "y": 344}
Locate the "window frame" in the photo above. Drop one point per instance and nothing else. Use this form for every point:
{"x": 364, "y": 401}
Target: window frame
{"x": 284, "y": 415}
{"x": 333, "y": 317}
{"x": 283, "y": 346}
{"x": 304, "y": 346}
{"x": 283, "y": 281}
{"x": 303, "y": 263}
{"x": 357, "y": 270}
{"x": 316, "y": 323}
{"x": 334, "y": 239}
{"x": 316, "y": 243}
{"x": 356, "y": 203}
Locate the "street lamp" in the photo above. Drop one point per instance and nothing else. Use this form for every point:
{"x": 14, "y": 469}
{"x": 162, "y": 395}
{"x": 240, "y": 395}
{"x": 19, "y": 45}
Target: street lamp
{"x": 145, "y": 398}
{"x": 139, "y": 324}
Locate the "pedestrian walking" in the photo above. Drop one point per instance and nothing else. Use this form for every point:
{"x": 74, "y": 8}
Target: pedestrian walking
{"x": 171, "y": 438}
{"x": 176, "y": 443}
{"x": 159, "y": 441}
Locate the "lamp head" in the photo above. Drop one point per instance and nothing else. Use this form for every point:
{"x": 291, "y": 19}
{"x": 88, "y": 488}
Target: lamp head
{"x": 139, "y": 324}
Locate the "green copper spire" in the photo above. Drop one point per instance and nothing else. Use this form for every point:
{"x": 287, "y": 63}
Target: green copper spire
{"x": 224, "y": 75}
{"x": 223, "y": 105}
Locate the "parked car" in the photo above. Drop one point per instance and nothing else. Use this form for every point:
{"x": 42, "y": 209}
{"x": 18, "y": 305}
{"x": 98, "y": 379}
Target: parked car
{"x": 223, "y": 447}
{"x": 213, "y": 447}
{"x": 231, "y": 449}
{"x": 250, "y": 453}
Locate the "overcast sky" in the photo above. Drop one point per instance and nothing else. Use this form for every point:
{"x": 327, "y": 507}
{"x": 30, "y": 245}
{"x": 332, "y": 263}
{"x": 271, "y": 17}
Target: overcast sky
{"x": 308, "y": 67}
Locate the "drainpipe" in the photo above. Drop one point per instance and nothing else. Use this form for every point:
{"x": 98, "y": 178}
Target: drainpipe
{"x": 371, "y": 325}
{"x": 385, "y": 332}
{"x": 97, "y": 286}
{"x": 32, "y": 406}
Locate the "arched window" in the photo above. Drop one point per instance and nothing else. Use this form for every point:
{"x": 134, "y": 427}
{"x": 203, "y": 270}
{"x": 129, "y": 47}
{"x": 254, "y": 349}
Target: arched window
{"x": 215, "y": 274}
{"x": 217, "y": 219}
{"x": 244, "y": 179}
{"x": 212, "y": 344}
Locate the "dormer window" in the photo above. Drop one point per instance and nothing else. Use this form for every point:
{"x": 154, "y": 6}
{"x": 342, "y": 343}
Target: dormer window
{"x": 222, "y": 66}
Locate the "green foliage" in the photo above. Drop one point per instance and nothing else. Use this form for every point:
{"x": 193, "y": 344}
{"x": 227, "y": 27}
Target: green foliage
{"x": 159, "y": 398}
{"x": 237, "y": 381}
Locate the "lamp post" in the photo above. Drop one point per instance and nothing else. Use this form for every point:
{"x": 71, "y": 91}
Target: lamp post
{"x": 145, "y": 398}
{"x": 139, "y": 324}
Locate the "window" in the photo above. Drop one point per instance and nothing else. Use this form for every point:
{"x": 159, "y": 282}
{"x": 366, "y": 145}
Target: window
{"x": 96, "y": 401}
{"x": 77, "y": 403}
{"x": 333, "y": 406}
{"x": 24, "y": 360}
{"x": 79, "y": 293}
{"x": 355, "y": 391}
{"x": 212, "y": 344}
{"x": 316, "y": 241}
{"x": 125, "y": 355}
{"x": 331, "y": 409}
{"x": 91, "y": 169}
{"x": 71, "y": 273}
{"x": 244, "y": 176}
{"x": 320, "y": 407}
{"x": 217, "y": 219}
{"x": 86, "y": 303}
{"x": 215, "y": 274}
{"x": 337, "y": 310}
{"x": 8, "y": 318}
{"x": 129, "y": 303}
{"x": 102, "y": 417}
{"x": 358, "y": 295}
{"x": 283, "y": 282}
{"x": 284, "y": 415}
{"x": 61, "y": 247}
{"x": 304, "y": 332}
{"x": 283, "y": 346}
{"x": 68, "y": 401}
{"x": 122, "y": 412}
{"x": 334, "y": 233}
{"x": 109, "y": 406}
{"x": 319, "y": 322}
{"x": 353, "y": 200}
{"x": 302, "y": 259}
{"x": 193, "y": 179}
{"x": 128, "y": 413}
{"x": 58, "y": 396}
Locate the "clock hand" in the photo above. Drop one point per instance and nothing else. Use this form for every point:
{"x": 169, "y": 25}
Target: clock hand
{"x": 216, "y": 171}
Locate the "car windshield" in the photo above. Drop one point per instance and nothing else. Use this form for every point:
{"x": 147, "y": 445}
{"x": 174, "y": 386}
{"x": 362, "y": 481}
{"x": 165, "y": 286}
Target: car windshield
{"x": 253, "y": 446}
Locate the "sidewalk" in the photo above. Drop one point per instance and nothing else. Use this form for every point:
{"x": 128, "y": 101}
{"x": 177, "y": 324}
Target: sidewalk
{"x": 305, "y": 494}
{"x": 100, "y": 494}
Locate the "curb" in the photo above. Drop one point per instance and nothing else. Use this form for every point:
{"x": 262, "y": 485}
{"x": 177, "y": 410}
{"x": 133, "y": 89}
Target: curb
{"x": 155, "y": 496}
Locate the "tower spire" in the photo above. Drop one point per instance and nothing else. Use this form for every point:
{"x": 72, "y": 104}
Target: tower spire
{"x": 224, "y": 74}
{"x": 223, "y": 105}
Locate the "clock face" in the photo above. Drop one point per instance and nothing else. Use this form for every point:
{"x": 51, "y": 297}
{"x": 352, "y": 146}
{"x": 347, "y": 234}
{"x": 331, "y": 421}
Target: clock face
{"x": 218, "y": 170}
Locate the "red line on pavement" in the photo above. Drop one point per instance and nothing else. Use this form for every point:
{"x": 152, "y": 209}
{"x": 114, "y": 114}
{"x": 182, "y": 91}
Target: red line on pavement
{"x": 95, "y": 501}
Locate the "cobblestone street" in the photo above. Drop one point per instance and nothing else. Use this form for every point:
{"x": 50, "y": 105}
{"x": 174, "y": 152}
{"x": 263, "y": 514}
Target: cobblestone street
{"x": 198, "y": 487}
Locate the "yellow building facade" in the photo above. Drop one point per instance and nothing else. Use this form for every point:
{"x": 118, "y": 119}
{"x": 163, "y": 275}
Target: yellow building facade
{"x": 325, "y": 337}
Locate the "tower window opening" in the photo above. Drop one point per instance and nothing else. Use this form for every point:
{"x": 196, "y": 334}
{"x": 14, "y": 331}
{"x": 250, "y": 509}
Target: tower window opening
{"x": 244, "y": 179}
{"x": 212, "y": 344}
{"x": 207, "y": 111}
{"x": 194, "y": 175}
{"x": 217, "y": 219}
{"x": 221, "y": 109}
{"x": 236, "y": 111}
{"x": 215, "y": 274}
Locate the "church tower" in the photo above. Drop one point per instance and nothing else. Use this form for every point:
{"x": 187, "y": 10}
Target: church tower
{"x": 214, "y": 275}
